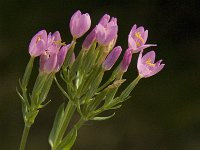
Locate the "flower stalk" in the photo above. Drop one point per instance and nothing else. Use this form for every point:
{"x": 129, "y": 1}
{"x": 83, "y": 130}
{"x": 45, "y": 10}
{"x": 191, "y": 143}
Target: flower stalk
{"x": 24, "y": 137}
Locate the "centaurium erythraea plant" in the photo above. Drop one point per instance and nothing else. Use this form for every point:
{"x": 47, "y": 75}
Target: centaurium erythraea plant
{"x": 84, "y": 89}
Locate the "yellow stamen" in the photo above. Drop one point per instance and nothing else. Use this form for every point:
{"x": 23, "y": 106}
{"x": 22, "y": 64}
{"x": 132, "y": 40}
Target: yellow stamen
{"x": 59, "y": 42}
{"x": 38, "y": 38}
{"x": 138, "y": 35}
{"x": 148, "y": 62}
{"x": 138, "y": 44}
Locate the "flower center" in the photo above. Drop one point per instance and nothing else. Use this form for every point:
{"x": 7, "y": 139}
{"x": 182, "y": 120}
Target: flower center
{"x": 149, "y": 63}
{"x": 38, "y": 38}
{"x": 59, "y": 42}
{"x": 139, "y": 37}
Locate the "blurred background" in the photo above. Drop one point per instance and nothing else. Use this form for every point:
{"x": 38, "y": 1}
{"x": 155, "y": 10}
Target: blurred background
{"x": 164, "y": 110}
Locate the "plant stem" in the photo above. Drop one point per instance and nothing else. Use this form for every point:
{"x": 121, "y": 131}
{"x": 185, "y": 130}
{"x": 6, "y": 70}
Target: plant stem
{"x": 69, "y": 111}
{"x": 24, "y": 137}
{"x": 80, "y": 123}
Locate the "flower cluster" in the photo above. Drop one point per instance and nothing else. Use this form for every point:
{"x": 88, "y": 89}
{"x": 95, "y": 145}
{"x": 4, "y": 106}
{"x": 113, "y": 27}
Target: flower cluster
{"x": 82, "y": 75}
{"x": 51, "y": 50}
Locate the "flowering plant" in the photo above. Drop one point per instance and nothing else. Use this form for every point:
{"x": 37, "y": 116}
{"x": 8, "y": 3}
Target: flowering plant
{"x": 82, "y": 75}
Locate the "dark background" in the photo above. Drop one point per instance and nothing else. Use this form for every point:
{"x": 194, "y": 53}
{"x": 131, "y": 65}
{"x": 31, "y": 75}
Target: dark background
{"x": 164, "y": 111}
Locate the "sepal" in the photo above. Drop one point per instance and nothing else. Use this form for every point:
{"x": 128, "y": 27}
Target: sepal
{"x": 103, "y": 118}
{"x": 58, "y": 118}
{"x": 69, "y": 140}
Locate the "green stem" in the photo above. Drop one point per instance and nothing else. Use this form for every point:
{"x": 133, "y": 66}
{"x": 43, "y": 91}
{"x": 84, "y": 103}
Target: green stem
{"x": 24, "y": 137}
{"x": 80, "y": 123}
{"x": 69, "y": 111}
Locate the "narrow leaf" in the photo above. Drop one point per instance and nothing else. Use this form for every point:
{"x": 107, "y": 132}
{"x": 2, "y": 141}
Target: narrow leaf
{"x": 58, "y": 117}
{"x": 103, "y": 118}
{"x": 69, "y": 140}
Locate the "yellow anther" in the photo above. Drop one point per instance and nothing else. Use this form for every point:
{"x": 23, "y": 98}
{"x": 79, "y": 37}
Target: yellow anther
{"x": 59, "y": 42}
{"x": 138, "y": 35}
{"x": 149, "y": 63}
{"x": 138, "y": 44}
{"x": 38, "y": 38}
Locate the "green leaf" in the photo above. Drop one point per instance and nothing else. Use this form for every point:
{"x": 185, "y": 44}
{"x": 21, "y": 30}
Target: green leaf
{"x": 116, "y": 107}
{"x": 69, "y": 140}
{"x": 58, "y": 118}
{"x": 103, "y": 118}
{"x": 43, "y": 105}
{"x": 62, "y": 90}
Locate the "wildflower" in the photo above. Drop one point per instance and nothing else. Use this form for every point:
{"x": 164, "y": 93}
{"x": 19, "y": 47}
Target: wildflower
{"x": 146, "y": 66}
{"x": 79, "y": 24}
{"x": 106, "y": 31}
{"x": 37, "y": 45}
{"x": 53, "y": 57}
{"x": 112, "y": 58}
{"x": 126, "y": 60}
{"x": 137, "y": 39}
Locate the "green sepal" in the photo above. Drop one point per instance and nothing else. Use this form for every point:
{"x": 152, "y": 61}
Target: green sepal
{"x": 46, "y": 88}
{"x": 95, "y": 81}
{"x": 43, "y": 105}
{"x": 23, "y": 102}
{"x": 27, "y": 73}
{"x": 39, "y": 83}
{"x": 92, "y": 81}
{"x": 89, "y": 59}
{"x": 75, "y": 66}
{"x": 58, "y": 118}
{"x": 20, "y": 96}
{"x": 103, "y": 118}
{"x": 69, "y": 140}
{"x": 30, "y": 117}
{"x": 116, "y": 107}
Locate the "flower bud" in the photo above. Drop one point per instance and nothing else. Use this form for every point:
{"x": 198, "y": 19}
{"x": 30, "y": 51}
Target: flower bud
{"x": 146, "y": 66}
{"x": 112, "y": 58}
{"x": 79, "y": 24}
{"x": 126, "y": 60}
{"x": 38, "y": 44}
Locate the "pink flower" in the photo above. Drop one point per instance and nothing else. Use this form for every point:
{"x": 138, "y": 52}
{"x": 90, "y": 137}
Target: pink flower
{"x": 146, "y": 66}
{"x": 52, "y": 61}
{"x": 54, "y": 42}
{"x": 79, "y": 24}
{"x": 106, "y": 31}
{"x": 137, "y": 39}
{"x": 37, "y": 45}
{"x": 54, "y": 55}
{"x": 112, "y": 58}
{"x": 126, "y": 60}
